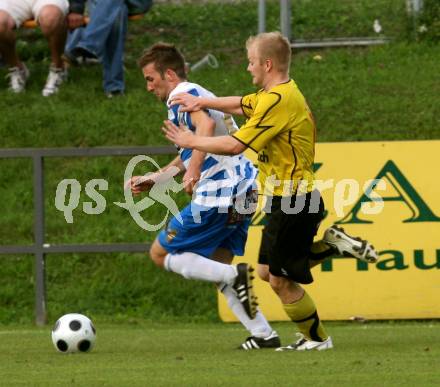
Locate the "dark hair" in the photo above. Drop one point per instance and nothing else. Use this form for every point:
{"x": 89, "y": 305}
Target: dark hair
{"x": 164, "y": 56}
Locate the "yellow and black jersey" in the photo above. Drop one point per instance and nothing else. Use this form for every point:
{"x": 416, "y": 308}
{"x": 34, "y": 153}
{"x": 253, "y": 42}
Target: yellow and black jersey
{"x": 281, "y": 129}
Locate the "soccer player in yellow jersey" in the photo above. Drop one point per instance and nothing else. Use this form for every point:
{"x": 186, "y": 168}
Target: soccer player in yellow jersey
{"x": 281, "y": 129}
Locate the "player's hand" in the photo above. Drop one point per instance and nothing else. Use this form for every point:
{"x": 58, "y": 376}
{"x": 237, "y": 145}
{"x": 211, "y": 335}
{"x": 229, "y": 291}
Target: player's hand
{"x": 190, "y": 179}
{"x": 138, "y": 184}
{"x": 179, "y": 135}
{"x": 187, "y": 102}
{"x": 74, "y": 20}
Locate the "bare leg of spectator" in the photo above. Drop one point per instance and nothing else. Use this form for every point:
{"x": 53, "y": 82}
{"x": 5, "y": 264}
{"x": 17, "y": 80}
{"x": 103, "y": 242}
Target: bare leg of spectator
{"x": 53, "y": 26}
{"x": 18, "y": 72}
{"x": 7, "y": 40}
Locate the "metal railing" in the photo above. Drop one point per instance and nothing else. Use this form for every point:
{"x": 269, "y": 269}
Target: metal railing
{"x": 40, "y": 247}
{"x": 285, "y": 14}
{"x": 286, "y": 29}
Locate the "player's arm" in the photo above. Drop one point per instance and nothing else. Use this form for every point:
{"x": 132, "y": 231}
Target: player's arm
{"x": 205, "y": 126}
{"x": 189, "y": 103}
{"x": 266, "y": 121}
{"x": 175, "y": 163}
{"x": 222, "y": 145}
{"x": 139, "y": 184}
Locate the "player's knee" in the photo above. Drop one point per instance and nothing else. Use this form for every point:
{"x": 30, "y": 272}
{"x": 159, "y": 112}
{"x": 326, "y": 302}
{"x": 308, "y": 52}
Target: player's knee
{"x": 281, "y": 285}
{"x": 158, "y": 260}
{"x": 276, "y": 283}
{"x": 287, "y": 290}
{"x": 157, "y": 255}
{"x": 263, "y": 272}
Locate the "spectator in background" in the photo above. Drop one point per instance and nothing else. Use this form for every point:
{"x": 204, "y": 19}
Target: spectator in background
{"x": 103, "y": 38}
{"x": 50, "y": 15}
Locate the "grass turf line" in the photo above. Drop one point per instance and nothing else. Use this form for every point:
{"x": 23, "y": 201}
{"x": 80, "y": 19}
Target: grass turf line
{"x": 378, "y": 93}
{"x": 372, "y": 354}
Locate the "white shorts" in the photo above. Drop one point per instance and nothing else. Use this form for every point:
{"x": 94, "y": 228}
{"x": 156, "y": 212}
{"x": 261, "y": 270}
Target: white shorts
{"x": 22, "y": 10}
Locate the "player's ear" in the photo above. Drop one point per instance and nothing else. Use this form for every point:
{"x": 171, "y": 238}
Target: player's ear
{"x": 268, "y": 63}
{"x": 169, "y": 75}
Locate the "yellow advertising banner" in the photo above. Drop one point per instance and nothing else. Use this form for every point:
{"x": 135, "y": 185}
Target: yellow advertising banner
{"x": 389, "y": 194}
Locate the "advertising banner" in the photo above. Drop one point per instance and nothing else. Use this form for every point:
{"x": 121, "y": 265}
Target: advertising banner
{"x": 389, "y": 194}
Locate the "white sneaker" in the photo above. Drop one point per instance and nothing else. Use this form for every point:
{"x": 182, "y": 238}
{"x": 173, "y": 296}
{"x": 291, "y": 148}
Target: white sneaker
{"x": 17, "y": 78}
{"x": 349, "y": 246}
{"x": 55, "y": 78}
{"x": 303, "y": 344}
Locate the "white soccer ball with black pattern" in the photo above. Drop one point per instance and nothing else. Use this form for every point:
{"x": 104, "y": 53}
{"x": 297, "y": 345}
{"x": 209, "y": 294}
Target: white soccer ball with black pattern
{"x": 73, "y": 332}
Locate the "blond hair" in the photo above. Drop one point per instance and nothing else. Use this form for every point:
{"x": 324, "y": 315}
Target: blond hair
{"x": 274, "y": 46}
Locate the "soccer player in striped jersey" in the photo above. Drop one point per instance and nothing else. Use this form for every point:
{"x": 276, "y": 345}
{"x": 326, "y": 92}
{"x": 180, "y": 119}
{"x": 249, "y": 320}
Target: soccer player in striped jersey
{"x": 211, "y": 229}
{"x": 281, "y": 129}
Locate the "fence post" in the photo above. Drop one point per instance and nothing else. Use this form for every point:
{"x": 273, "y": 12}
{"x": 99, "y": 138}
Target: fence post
{"x": 418, "y": 6}
{"x": 261, "y": 16}
{"x": 285, "y": 18}
{"x": 414, "y": 8}
{"x": 40, "y": 272}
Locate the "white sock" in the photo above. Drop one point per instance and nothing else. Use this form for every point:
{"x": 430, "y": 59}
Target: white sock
{"x": 258, "y": 327}
{"x": 194, "y": 266}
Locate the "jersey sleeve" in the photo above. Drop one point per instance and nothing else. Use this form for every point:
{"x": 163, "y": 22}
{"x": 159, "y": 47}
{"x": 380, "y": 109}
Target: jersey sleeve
{"x": 173, "y": 114}
{"x": 267, "y": 121}
{"x": 178, "y": 117}
{"x": 248, "y": 103}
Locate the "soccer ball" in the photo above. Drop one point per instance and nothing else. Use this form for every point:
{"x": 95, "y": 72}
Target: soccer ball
{"x": 73, "y": 332}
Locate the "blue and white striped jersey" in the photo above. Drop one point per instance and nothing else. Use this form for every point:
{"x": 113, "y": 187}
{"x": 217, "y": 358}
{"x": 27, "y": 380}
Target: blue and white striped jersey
{"x": 222, "y": 177}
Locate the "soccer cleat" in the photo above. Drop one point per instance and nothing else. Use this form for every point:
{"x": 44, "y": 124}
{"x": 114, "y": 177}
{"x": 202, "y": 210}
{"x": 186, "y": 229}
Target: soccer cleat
{"x": 17, "y": 78}
{"x": 252, "y": 342}
{"x": 349, "y": 246}
{"x": 55, "y": 78}
{"x": 303, "y": 344}
{"x": 244, "y": 289}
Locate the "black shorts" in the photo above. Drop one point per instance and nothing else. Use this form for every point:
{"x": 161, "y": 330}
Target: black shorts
{"x": 287, "y": 237}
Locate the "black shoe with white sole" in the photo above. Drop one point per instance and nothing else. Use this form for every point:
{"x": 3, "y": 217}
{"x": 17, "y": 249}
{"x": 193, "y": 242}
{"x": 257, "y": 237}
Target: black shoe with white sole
{"x": 245, "y": 292}
{"x": 252, "y": 342}
{"x": 349, "y": 246}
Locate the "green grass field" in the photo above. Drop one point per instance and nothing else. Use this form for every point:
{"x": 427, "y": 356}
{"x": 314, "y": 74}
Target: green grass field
{"x": 179, "y": 354}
